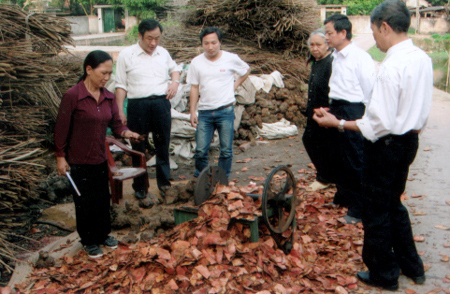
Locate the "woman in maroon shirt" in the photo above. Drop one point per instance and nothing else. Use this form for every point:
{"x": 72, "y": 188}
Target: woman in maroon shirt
{"x": 86, "y": 110}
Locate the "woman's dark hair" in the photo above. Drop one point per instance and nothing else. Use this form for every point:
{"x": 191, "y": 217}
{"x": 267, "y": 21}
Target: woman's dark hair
{"x": 211, "y": 30}
{"x": 94, "y": 59}
{"x": 394, "y": 13}
{"x": 340, "y": 23}
{"x": 149, "y": 25}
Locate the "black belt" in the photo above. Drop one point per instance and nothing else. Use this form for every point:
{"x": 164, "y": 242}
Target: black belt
{"x": 413, "y": 132}
{"x": 152, "y": 97}
{"x": 220, "y": 108}
{"x": 157, "y": 96}
{"x": 343, "y": 102}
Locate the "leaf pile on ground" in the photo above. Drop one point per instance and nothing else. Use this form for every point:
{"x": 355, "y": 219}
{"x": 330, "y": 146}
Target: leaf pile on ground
{"x": 213, "y": 254}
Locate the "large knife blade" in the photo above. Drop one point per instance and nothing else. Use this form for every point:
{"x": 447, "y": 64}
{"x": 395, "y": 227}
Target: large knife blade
{"x": 73, "y": 183}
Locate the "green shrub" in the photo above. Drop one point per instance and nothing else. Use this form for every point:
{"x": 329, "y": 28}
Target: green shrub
{"x": 376, "y": 54}
{"x": 132, "y": 36}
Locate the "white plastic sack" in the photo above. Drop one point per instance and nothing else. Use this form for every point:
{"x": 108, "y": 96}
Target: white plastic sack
{"x": 179, "y": 101}
{"x": 183, "y": 148}
{"x": 182, "y": 128}
{"x": 238, "y": 110}
{"x": 152, "y": 162}
{"x": 265, "y": 82}
{"x": 178, "y": 115}
{"x": 278, "y": 130}
{"x": 245, "y": 93}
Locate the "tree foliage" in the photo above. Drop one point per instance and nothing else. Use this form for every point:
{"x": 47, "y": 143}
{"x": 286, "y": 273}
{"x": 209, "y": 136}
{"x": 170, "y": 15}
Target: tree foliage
{"x": 142, "y": 8}
{"x": 355, "y": 7}
{"x": 438, "y": 2}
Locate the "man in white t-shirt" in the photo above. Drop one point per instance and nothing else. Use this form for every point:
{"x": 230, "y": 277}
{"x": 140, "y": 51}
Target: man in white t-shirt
{"x": 211, "y": 76}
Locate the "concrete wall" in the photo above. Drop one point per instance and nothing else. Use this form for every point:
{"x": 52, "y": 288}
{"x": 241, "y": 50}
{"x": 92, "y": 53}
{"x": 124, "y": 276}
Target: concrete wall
{"x": 130, "y": 22}
{"x": 431, "y": 25}
{"x": 80, "y": 24}
{"x": 93, "y": 24}
{"x": 360, "y": 24}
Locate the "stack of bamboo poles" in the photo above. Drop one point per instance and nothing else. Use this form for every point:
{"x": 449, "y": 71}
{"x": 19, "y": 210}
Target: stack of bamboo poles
{"x": 48, "y": 33}
{"x": 32, "y": 79}
{"x": 30, "y": 76}
{"x": 184, "y": 45}
{"x": 270, "y": 35}
{"x": 279, "y": 25}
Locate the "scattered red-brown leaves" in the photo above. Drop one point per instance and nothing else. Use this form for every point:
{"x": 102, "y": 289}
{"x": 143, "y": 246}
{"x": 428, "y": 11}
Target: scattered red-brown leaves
{"x": 419, "y": 238}
{"x": 213, "y": 254}
{"x": 243, "y": 160}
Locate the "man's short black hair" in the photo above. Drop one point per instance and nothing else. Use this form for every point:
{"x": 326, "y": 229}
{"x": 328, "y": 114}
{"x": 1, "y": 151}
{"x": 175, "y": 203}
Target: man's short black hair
{"x": 394, "y": 13}
{"x": 149, "y": 25}
{"x": 341, "y": 22}
{"x": 211, "y": 30}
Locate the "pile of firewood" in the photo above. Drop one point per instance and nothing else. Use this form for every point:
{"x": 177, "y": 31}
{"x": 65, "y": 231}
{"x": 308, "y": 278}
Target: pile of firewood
{"x": 270, "y": 36}
{"x": 29, "y": 93}
{"x": 32, "y": 80}
{"x": 279, "y": 25}
{"x": 48, "y": 34}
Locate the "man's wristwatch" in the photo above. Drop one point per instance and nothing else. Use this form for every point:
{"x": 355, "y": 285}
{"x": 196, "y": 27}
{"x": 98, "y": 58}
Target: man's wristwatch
{"x": 341, "y": 125}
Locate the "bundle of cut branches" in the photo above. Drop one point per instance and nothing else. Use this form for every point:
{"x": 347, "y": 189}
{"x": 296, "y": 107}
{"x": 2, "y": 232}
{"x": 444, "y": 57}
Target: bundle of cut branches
{"x": 288, "y": 103}
{"x": 281, "y": 25}
{"x": 185, "y": 45}
{"x": 48, "y": 33}
{"x": 24, "y": 68}
{"x": 32, "y": 81}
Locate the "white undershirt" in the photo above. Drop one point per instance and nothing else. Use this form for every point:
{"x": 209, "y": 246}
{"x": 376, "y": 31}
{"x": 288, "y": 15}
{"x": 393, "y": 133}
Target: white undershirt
{"x": 143, "y": 75}
{"x": 402, "y": 94}
{"x": 215, "y": 79}
{"x": 352, "y": 76}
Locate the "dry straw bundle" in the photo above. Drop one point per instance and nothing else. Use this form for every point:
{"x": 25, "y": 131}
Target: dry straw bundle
{"x": 29, "y": 94}
{"x": 281, "y": 25}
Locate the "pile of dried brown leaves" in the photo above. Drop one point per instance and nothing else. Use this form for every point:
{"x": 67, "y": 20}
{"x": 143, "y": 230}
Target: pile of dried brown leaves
{"x": 212, "y": 254}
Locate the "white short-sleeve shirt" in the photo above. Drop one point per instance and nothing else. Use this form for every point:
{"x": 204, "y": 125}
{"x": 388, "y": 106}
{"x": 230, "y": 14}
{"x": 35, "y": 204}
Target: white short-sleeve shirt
{"x": 143, "y": 75}
{"x": 215, "y": 79}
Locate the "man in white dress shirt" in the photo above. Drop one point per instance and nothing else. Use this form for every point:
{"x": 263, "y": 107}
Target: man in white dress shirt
{"x": 351, "y": 82}
{"x": 211, "y": 75}
{"x": 398, "y": 110}
{"x": 149, "y": 78}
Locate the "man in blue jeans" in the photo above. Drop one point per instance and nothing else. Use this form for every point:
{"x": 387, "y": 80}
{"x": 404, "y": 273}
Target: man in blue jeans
{"x": 211, "y": 76}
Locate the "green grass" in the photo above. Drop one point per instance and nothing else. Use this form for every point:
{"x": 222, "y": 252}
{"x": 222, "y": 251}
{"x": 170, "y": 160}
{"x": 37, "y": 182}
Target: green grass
{"x": 132, "y": 36}
{"x": 376, "y": 54}
{"x": 440, "y": 60}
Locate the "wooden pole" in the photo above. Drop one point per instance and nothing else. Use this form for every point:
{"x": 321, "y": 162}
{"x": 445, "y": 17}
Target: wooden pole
{"x": 418, "y": 16}
{"x": 448, "y": 71}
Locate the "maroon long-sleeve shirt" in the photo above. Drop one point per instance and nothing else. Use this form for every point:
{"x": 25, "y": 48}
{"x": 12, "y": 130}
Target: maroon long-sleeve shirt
{"x": 81, "y": 124}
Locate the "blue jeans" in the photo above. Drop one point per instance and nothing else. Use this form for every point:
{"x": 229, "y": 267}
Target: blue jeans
{"x": 208, "y": 121}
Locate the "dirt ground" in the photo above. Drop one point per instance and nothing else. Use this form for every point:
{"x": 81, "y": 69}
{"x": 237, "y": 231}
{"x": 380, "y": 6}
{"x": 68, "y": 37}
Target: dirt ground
{"x": 259, "y": 159}
{"x": 251, "y": 165}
